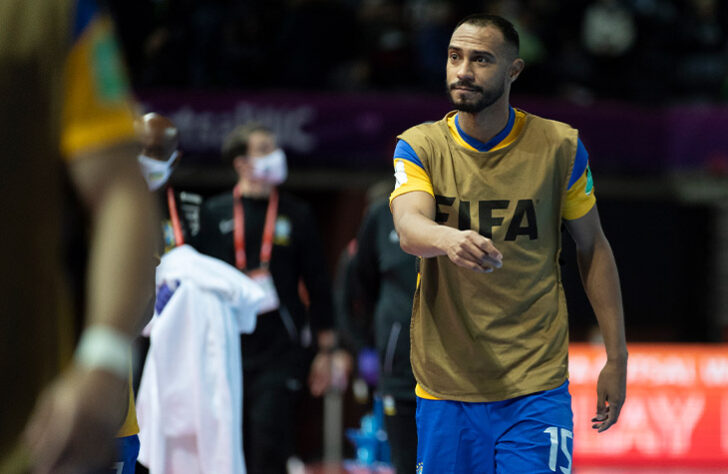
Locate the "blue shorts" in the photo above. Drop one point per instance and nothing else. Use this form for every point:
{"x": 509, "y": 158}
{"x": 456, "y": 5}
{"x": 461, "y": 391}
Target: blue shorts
{"x": 128, "y": 448}
{"x": 532, "y": 434}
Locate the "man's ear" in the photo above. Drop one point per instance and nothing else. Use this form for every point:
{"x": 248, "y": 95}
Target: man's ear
{"x": 516, "y": 68}
{"x": 177, "y": 160}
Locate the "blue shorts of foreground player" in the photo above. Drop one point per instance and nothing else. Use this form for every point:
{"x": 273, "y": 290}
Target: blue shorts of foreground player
{"x": 128, "y": 451}
{"x": 529, "y": 434}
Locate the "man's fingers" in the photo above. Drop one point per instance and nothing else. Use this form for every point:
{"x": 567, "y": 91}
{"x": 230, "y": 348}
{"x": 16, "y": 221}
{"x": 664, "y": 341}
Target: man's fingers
{"x": 481, "y": 248}
{"x": 486, "y": 246}
{"x": 600, "y": 418}
{"x": 470, "y": 264}
{"x": 611, "y": 392}
{"x": 602, "y": 414}
{"x": 491, "y": 258}
{"x": 469, "y": 251}
{"x": 491, "y": 262}
{"x": 603, "y": 421}
{"x": 469, "y": 255}
{"x": 611, "y": 419}
{"x": 612, "y": 416}
{"x": 466, "y": 256}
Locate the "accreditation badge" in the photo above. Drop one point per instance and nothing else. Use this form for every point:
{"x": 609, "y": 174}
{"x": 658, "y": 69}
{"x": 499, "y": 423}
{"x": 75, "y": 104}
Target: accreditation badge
{"x": 390, "y": 408}
{"x": 270, "y": 296}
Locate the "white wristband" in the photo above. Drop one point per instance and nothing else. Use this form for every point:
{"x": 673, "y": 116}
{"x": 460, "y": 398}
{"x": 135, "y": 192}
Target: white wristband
{"x": 102, "y": 347}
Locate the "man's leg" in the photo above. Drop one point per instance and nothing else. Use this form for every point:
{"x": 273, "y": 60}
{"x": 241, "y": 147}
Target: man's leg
{"x": 451, "y": 439}
{"x": 402, "y": 436}
{"x": 268, "y": 424}
{"x": 537, "y": 435}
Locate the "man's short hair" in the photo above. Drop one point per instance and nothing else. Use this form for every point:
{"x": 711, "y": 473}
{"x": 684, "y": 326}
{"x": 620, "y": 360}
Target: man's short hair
{"x": 236, "y": 142}
{"x": 485, "y": 19}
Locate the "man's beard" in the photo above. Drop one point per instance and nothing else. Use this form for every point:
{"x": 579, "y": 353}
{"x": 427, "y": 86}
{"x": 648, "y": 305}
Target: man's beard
{"x": 487, "y": 97}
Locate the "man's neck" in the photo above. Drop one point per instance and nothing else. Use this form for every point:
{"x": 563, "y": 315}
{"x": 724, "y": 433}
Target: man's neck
{"x": 487, "y": 123}
{"x": 254, "y": 189}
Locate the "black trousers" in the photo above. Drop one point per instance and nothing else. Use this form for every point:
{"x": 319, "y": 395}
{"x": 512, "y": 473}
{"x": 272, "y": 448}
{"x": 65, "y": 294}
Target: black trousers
{"x": 402, "y": 434}
{"x": 269, "y": 401}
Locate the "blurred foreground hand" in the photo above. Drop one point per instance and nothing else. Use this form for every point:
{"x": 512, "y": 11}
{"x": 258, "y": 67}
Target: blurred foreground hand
{"x": 75, "y": 422}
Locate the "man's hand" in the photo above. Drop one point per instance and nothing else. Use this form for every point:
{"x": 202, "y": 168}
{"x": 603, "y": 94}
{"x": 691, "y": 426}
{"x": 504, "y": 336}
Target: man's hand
{"x": 329, "y": 370}
{"x": 76, "y": 420}
{"x": 611, "y": 392}
{"x": 419, "y": 234}
{"x": 469, "y": 249}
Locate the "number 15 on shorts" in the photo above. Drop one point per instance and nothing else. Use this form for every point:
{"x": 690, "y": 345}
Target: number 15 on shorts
{"x": 559, "y": 441}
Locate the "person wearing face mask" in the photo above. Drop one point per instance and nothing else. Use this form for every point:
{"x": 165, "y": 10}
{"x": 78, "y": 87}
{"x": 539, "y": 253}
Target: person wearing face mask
{"x": 158, "y": 158}
{"x": 179, "y": 211}
{"x": 272, "y": 237}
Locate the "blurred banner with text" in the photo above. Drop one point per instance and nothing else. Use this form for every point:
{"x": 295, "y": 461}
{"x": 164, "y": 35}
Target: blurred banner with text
{"x": 676, "y": 411}
{"x": 359, "y": 130}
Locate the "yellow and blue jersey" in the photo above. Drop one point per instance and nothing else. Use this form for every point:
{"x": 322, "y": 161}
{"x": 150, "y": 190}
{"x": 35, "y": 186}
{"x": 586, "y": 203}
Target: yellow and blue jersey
{"x": 97, "y": 107}
{"x": 411, "y": 175}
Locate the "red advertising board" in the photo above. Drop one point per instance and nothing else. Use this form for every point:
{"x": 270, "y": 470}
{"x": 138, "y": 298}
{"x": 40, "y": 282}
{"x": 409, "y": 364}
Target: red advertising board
{"x": 676, "y": 411}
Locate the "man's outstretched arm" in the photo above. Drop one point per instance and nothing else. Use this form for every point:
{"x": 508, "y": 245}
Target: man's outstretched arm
{"x": 420, "y": 235}
{"x": 601, "y": 283}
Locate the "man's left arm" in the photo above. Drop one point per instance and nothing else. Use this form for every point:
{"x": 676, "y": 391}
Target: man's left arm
{"x": 601, "y": 283}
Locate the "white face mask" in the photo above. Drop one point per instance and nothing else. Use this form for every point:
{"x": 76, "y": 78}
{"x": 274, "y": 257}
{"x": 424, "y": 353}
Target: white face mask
{"x": 270, "y": 168}
{"x": 156, "y": 172}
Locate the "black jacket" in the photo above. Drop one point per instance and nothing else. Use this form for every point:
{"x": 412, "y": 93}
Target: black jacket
{"x": 385, "y": 278}
{"x": 188, "y": 211}
{"x": 297, "y": 256}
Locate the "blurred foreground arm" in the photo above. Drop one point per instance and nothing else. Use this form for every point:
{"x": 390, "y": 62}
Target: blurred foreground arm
{"x": 77, "y": 418}
{"x": 601, "y": 282}
{"x": 124, "y": 239}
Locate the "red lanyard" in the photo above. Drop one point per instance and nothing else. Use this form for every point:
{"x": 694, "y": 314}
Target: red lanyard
{"x": 176, "y": 227}
{"x": 266, "y": 247}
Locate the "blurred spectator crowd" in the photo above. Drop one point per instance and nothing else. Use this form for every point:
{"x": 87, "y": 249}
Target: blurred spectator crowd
{"x": 650, "y": 51}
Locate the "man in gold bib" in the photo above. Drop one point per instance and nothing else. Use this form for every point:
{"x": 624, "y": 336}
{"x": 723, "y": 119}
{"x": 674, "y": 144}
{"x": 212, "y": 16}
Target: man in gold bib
{"x": 480, "y": 197}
